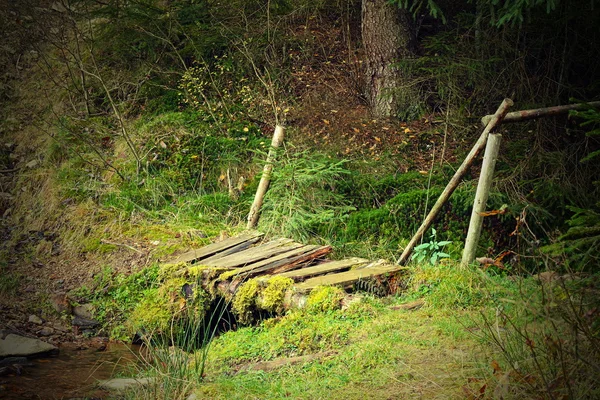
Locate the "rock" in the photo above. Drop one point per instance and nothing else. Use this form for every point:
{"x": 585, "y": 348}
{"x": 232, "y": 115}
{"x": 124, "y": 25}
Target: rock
{"x": 192, "y": 396}
{"x": 84, "y": 311}
{"x": 46, "y": 331}
{"x": 60, "y": 328}
{"x": 123, "y": 383}
{"x": 34, "y": 319}
{"x": 85, "y": 323}
{"x": 12, "y": 344}
{"x": 60, "y": 303}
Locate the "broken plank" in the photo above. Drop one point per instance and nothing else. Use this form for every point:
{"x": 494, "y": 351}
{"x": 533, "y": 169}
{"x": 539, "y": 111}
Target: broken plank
{"x": 295, "y": 262}
{"x": 235, "y": 249}
{"x": 250, "y": 255}
{"x": 347, "y": 278}
{"x": 284, "y": 264}
{"x": 325, "y": 268}
{"x": 213, "y": 248}
{"x": 295, "y": 249}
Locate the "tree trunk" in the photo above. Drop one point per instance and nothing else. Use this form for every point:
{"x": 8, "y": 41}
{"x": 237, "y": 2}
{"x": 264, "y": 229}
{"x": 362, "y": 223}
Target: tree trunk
{"x": 388, "y": 37}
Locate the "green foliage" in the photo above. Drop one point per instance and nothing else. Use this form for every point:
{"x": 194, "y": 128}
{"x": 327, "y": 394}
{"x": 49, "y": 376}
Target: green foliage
{"x": 417, "y": 7}
{"x": 219, "y": 91}
{"x": 505, "y": 12}
{"x": 550, "y": 334}
{"x": 401, "y": 215}
{"x": 193, "y": 155}
{"x": 302, "y": 197}
{"x": 432, "y": 249}
{"x": 580, "y": 245}
{"x": 449, "y": 285}
{"x": 114, "y": 296}
{"x": 591, "y": 120}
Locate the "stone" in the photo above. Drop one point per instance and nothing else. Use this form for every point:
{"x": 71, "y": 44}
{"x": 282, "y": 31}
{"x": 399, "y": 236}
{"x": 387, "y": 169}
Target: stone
{"x": 14, "y": 345}
{"x": 123, "y": 383}
{"x": 60, "y": 328}
{"x": 46, "y": 331}
{"x": 34, "y": 319}
{"x": 84, "y": 311}
{"x": 60, "y": 303}
{"x": 84, "y": 322}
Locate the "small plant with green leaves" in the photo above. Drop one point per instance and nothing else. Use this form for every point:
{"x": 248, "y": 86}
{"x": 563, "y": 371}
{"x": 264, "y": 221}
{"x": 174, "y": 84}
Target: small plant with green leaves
{"x": 432, "y": 249}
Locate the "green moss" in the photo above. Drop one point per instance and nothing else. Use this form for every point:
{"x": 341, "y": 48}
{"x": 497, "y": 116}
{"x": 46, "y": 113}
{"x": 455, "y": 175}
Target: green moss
{"x": 152, "y": 314}
{"x": 272, "y": 296}
{"x": 228, "y": 274}
{"x": 245, "y": 300}
{"x": 168, "y": 270}
{"x": 196, "y": 271}
{"x": 159, "y": 307}
{"x": 324, "y": 298}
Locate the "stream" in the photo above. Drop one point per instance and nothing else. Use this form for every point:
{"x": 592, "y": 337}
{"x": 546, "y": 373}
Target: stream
{"x": 70, "y": 375}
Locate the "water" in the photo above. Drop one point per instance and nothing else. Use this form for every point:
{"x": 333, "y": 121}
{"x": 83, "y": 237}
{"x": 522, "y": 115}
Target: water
{"x": 70, "y": 375}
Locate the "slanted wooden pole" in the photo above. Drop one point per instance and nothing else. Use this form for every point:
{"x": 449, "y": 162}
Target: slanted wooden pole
{"x": 540, "y": 112}
{"x": 265, "y": 179}
{"x": 481, "y": 196}
{"x": 460, "y": 172}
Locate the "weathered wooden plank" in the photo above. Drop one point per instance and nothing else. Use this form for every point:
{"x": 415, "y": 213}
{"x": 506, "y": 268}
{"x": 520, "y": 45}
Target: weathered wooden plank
{"x": 295, "y": 249}
{"x": 347, "y": 278}
{"x": 296, "y": 262}
{"x": 284, "y": 262}
{"x": 250, "y": 255}
{"x": 217, "y": 247}
{"x": 232, "y": 250}
{"x": 325, "y": 268}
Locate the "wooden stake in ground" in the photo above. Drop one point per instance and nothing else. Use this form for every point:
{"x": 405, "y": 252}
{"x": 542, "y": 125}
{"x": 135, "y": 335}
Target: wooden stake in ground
{"x": 481, "y": 196}
{"x": 500, "y": 113}
{"x": 540, "y": 112}
{"x": 265, "y": 179}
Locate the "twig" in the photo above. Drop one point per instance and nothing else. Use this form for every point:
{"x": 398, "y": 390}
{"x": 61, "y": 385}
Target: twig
{"x": 103, "y": 241}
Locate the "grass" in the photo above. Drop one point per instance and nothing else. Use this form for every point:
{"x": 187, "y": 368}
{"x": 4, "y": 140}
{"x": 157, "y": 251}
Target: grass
{"x": 9, "y": 281}
{"x": 378, "y": 350}
{"x": 496, "y": 338}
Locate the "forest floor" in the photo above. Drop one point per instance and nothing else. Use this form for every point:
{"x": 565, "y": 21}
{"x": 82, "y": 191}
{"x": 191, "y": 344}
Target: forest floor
{"x": 371, "y": 348}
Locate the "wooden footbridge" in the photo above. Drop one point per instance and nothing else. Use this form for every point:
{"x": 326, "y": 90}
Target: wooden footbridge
{"x": 224, "y": 265}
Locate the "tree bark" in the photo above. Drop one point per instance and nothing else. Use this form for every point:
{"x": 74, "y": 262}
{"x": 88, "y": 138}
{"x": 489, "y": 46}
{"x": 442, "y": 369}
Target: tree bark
{"x": 523, "y": 115}
{"x": 481, "y": 196}
{"x": 265, "y": 180}
{"x": 388, "y": 36}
